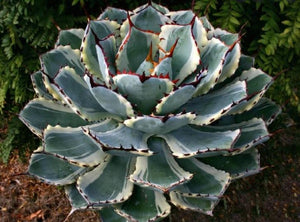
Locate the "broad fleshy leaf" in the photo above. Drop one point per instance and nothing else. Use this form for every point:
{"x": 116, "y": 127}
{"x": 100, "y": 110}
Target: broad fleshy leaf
{"x": 187, "y": 141}
{"x": 265, "y": 109}
{"x": 113, "y": 14}
{"x": 74, "y": 145}
{"x": 108, "y": 214}
{"x": 171, "y": 102}
{"x": 143, "y": 93}
{"x": 149, "y": 19}
{"x": 39, "y": 113}
{"x": 75, "y": 92}
{"x": 72, "y": 37}
{"x": 253, "y": 132}
{"x": 61, "y": 171}
{"x": 200, "y": 204}
{"x": 239, "y": 165}
{"x": 101, "y": 34}
{"x": 39, "y": 86}
{"x": 212, "y": 106}
{"x": 257, "y": 84}
{"x": 185, "y": 56}
{"x": 100, "y": 187}
{"x": 126, "y": 59}
{"x": 159, "y": 125}
{"x": 76, "y": 199}
{"x": 59, "y": 57}
{"x": 111, "y": 101}
{"x": 148, "y": 171}
{"x": 212, "y": 59}
{"x": 121, "y": 140}
{"x": 144, "y": 205}
{"x": 187, "y": 17}
{"x": 207, "y": 181}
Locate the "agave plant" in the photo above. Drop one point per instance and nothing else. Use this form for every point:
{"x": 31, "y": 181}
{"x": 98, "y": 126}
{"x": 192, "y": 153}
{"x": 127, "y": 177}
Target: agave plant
{"x": 145, "y": 109}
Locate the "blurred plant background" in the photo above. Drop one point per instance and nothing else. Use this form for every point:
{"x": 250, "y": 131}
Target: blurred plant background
{"x": 270, "y": 32}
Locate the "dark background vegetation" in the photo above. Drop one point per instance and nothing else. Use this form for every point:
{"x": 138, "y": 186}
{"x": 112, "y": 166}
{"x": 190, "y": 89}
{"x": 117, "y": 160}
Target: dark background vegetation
{"x": 271, "y": 33}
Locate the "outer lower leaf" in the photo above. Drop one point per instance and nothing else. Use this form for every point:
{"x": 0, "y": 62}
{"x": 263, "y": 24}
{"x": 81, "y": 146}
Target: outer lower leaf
{"x": 127, "y": 58}
{"x": 171, "y": 102}
{"x": 144, "y": 94}
{"x": 98, "y": 33}
{"x": 253, "y": 132}
{"x": 212, "y": 58}
{"x": 76, "y": 199}
{"x": 39, "y": 86}
{"x": 148, "y": 171}
{"x": 52, "y": 89}
{"x": 256, "y": 79}
{"x": 74, "y": 145}
{"x": 245, "y": 63}
{"x": 59, "y": 57}
{"x": 187, "y": 141}
{"x": 185, "y": 56}
{"x": 75, "y": 92}
{"x": 207, "y": 181}
{"x": 212, "y": 106}
{"x": 121, "y": 140}
{"x": 265, "y": 109}
{"x": 257, "y": 84}
{"x": 72, "y": 37}
{"x": 144, "y": 205}
{"x": 108, "y": 214}
{"x": 100, "y": 187}
{"x": 39, "y": 113}
{"x": 240, "y": 165}
{"x": 200, "y": 204}
{"x": 111, "y": 101}
{"x": 158, "y": 125}
{"x": 53, "y": 170}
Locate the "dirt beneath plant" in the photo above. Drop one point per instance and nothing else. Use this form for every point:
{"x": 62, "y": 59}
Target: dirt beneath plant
{"x": 272, "y": 195}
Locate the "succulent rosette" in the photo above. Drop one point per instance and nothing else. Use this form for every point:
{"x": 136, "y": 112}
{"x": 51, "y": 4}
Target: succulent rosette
{"x": 144, "y": 109}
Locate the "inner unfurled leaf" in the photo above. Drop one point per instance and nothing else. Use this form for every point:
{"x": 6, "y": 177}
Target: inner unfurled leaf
{"x": 185, "y": 56}
{"x": 101, "y": 34}
{"x": 144, "y": 94}
{"x": 129, "y": 56}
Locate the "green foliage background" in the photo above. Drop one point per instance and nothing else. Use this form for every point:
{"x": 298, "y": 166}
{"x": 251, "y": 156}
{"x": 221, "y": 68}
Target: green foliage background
{"x": 28, "y": 28}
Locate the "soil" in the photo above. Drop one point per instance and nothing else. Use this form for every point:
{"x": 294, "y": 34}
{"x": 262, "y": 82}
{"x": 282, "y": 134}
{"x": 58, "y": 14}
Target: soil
{"x": 273, "y": 195}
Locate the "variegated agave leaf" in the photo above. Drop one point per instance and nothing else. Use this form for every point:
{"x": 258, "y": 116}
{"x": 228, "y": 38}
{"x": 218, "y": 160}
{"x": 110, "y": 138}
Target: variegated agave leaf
{"x": 144, "y": 104}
